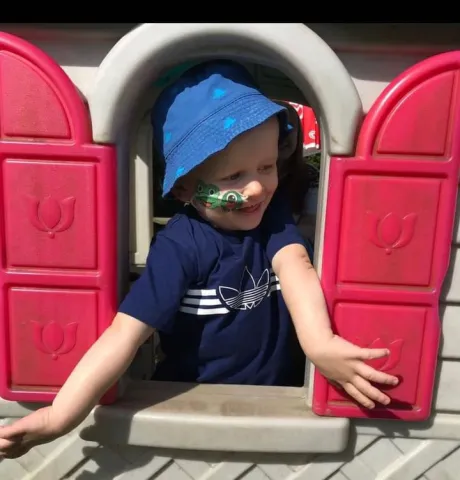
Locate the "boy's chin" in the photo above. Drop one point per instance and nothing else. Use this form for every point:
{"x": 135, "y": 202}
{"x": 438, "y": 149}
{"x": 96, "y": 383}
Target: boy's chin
{"x": 246, "y": 226}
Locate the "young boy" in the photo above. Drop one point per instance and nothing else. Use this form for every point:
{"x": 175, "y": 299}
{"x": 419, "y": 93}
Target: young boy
{"x": 228, "y": 282}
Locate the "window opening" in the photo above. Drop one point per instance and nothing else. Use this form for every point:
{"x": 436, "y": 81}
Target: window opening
{"x": 299, "y": 168}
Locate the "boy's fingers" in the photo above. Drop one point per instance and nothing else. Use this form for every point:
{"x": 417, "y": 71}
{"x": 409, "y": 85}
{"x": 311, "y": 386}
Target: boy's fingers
{"x": 351, "y": 350}
{"x": 373, "y": 375}
{"x": 6, "y": 446}
{"x": 358, "y": 396}
{"x": 370, "y": 391}
{"x": 12, "y": 431}
{"x": 372, "y": 353}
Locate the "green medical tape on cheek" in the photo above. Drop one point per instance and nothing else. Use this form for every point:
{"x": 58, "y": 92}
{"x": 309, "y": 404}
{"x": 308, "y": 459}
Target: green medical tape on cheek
{"x": 210, "y": 196}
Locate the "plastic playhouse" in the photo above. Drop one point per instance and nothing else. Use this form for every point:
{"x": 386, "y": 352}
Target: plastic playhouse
{"x": 379, "y": 109}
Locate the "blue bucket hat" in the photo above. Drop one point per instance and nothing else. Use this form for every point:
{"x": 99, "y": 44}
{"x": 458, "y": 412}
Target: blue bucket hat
{"x": 203, "y": 111}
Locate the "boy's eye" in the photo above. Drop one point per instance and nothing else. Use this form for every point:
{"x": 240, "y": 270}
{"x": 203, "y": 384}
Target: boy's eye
{"x": 235, "y": 176}
{"x": 267, "y": 168}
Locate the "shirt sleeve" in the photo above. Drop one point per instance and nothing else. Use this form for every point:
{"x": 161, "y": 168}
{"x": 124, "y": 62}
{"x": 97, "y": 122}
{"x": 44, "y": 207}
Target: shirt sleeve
{"x": 171, "y": 267}
{"x": 279, "y": 225}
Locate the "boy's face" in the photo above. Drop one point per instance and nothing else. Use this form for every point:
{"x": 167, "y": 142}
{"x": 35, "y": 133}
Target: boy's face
{"x": 246, "y": 170}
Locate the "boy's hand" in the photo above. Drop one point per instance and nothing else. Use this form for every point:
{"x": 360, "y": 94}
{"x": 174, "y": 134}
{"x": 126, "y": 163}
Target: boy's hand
{"x": 342, "y": 362}
{"x": 34, "y": 429}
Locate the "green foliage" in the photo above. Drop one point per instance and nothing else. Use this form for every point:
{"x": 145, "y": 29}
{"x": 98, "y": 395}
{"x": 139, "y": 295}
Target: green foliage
{"x": 315, "y": 160}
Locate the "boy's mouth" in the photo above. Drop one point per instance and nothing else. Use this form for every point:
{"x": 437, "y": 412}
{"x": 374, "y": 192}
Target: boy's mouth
{"x": 251, "y": 209}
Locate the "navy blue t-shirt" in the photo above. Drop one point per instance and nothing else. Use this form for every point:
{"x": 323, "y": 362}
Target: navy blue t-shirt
{"x": 216, "y": 303}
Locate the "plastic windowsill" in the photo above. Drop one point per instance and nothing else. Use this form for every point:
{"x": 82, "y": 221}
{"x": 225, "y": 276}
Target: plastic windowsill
{"x": 210, "y": 417}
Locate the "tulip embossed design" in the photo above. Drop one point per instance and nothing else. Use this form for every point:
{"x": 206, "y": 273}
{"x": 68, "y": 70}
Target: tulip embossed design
{"x": 53, "y": 339}
{"x": 50, "y": 215}
{"x": 391, "y": 231}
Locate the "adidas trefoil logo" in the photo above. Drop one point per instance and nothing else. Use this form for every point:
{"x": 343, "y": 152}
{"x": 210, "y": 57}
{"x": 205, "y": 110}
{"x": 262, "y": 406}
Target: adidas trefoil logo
{"x": 250, "y": 298}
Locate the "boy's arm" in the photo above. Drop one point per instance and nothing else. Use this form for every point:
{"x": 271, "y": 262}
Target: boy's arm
{"x": 97, "y": 371}
{"x": 336, "y": 358}
{"x": 101, "y": 366}
{"x": 303, "y": 295}
{"x": 150, "y": 305}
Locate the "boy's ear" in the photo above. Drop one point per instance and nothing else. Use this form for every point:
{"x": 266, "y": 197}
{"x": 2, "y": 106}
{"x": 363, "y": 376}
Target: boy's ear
{"x": 183, "y": 191}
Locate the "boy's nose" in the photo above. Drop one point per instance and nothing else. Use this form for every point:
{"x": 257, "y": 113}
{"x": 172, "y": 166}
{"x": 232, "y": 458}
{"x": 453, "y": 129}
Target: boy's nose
{"x": 254, "y": 189}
